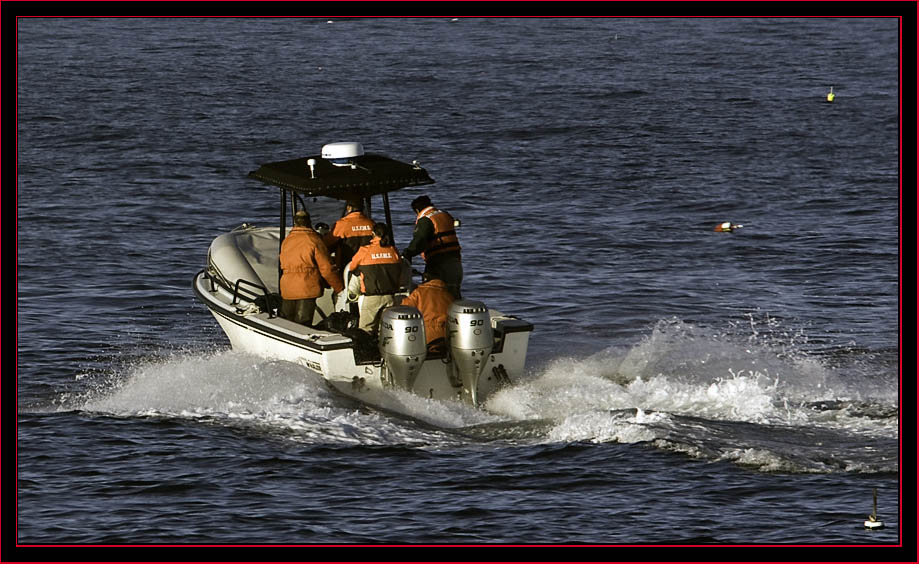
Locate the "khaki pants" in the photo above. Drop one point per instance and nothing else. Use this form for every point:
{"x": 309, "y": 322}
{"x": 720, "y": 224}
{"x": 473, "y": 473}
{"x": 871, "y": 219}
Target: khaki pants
{"x": 370, "y": 306}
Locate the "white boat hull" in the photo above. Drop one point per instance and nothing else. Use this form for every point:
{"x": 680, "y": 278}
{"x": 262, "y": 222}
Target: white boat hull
{"x": 240, "y": 286}
{"x": 332, "y": 355}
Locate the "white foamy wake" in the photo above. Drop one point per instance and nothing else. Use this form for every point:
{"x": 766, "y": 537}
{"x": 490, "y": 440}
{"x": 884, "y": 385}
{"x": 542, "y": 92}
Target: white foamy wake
{"x": 679, "y": 384}
{"x": 683, "y": 388}
{"x": 273, "y": 395}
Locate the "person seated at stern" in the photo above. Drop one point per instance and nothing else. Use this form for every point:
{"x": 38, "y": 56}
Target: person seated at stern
{"x": 433, "y": 300}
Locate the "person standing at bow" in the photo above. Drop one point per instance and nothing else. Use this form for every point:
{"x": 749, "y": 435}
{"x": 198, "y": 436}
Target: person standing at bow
{"x": 381, "y": 272}
{"x": 434, "y": 238}
{"x": 349, "y": 233}
{"x": 305, "y": 263}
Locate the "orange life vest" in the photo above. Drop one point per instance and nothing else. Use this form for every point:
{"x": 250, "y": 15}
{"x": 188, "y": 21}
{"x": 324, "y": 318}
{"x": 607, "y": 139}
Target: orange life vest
{"x": 445, "y": 239}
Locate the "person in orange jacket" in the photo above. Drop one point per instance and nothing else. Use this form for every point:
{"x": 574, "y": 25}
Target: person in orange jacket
{"x": 305, "y": 261}
{"x": 434, "y": 238}
{"x": 349, "y": 233}
{"x": 381, "y": 272}
{"x": 432, "y": 299}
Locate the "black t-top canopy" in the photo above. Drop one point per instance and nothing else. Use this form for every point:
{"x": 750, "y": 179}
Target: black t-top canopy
{"x": 371, "y": 175}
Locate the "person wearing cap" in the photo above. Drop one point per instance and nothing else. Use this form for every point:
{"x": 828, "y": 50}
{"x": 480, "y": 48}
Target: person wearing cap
{"x": 433, "y": 300}
{"x": 305, "y": 263}
{"x": 381, "y": 272}
{"x": 434, "y": 238}
{"x": 349, "y": 233}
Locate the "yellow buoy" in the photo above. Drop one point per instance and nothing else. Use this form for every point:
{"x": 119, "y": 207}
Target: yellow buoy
{"x": 830, "y": 97}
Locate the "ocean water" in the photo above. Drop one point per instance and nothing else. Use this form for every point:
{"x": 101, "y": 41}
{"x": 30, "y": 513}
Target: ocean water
{"x": 684, "y": 387}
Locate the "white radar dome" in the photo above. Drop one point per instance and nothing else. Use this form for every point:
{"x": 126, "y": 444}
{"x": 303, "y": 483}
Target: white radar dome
{"x": 339, "y": 153}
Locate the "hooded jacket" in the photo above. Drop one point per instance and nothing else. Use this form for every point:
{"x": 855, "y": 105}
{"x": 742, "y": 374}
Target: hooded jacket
{"x": 433, "y": 301}
{"x": 304, "y": 262}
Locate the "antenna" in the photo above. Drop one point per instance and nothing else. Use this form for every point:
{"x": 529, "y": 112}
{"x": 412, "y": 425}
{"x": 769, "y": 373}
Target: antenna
{"x": 872, "y": 522}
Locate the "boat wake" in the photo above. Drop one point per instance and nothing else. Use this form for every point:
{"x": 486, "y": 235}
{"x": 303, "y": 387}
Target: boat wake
{"x": 718, "y": 397}
{"x": 276, "y": 397}
{"x": 713, "y": 397}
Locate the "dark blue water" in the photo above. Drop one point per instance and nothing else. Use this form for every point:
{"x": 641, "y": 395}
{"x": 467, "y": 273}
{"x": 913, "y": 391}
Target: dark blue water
{"x": 683, "y": 386}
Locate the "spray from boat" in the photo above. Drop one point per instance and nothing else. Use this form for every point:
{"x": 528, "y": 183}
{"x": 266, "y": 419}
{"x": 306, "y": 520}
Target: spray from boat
{"x": 742, "y": 399}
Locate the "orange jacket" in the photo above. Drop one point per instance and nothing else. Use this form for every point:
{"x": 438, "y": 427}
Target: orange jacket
{"x": 380, "y": 268}
{"x": 304, "y": 258}
{"x": 433, "y": 301}
{"x": 348, "y": 235}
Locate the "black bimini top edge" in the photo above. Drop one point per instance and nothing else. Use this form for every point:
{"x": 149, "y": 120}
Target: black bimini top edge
{"x": 365, "y": 176}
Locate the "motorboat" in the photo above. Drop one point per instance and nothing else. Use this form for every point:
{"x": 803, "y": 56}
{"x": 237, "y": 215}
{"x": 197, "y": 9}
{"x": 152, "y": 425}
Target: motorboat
{"x": 485, "y": 349}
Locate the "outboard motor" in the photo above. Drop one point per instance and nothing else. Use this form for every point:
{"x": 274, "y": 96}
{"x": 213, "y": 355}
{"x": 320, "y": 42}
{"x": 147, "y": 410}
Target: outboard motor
{"x": 402, "y": 345}
{"x": 471, "y": 339}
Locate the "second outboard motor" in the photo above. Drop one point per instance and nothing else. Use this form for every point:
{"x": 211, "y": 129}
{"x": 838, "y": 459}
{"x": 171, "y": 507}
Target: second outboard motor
{"x": 402, "y": 345}
{"x": 471, "y": 339}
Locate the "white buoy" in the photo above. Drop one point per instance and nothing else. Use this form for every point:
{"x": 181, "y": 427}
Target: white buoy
{"x": 727, "y": 227}
{"x": 873, "y": 522}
